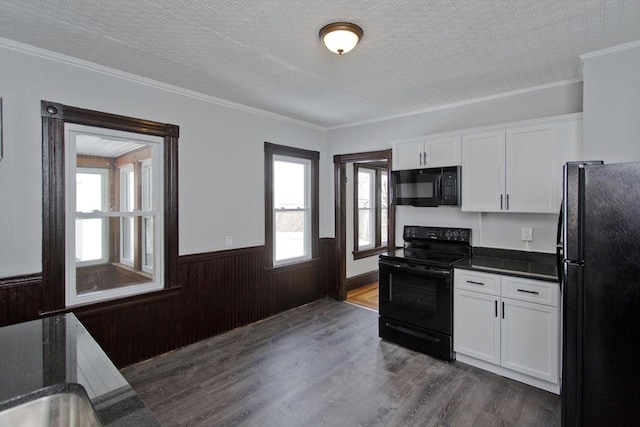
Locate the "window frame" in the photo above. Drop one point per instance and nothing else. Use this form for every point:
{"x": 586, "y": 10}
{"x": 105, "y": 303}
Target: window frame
{"x": 272, "y": 153}
{"x": 54, "y": 117}
{"x": 380, "y": 244}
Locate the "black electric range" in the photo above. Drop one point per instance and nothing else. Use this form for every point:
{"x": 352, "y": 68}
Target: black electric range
{"x": 416, "y": 288}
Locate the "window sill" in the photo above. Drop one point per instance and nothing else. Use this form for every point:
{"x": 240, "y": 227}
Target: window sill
{"x": 368, "y": 252}
{"x": 119, "y": 303}
{"x": 293, "y": 266}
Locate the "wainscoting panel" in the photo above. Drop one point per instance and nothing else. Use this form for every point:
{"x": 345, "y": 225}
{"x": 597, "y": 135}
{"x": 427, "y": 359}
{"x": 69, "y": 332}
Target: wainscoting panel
{"x": 219, "y": 291}
{"x": 20, "y": 298}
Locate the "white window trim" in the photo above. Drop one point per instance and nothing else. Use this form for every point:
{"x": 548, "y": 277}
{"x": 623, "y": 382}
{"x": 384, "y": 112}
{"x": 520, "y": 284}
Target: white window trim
{"x": 71, "y": 296}
{"x": 371, "y": 209}
{"x": 307, "y": 211}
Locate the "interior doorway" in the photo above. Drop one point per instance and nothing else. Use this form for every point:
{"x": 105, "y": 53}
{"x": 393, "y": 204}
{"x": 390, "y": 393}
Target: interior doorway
{"x": 342, "y": 245}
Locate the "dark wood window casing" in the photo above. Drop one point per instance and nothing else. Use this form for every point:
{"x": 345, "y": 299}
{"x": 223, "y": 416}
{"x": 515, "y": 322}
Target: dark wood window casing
{"x": 378, "y": 248}
{"x": 314, "y": 156}
{"x": 54, "y": 117}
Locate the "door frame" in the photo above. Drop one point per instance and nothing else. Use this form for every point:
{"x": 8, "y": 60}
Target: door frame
{"x": 340, "y": 185}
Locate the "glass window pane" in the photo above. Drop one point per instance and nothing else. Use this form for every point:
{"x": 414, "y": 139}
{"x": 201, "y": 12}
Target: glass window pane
{"x": 383, "y": 190}
{"x": 364, "y": 189}
{"x": 89, "y": 192}
{"x": 383, "y": 226}
{"x": 146, "y": 187}
{"x": 289, "y": 235}
{"x": 364, "y": 227}
{"x": 127, "y": 239}
{"x": 148, "y": 242}
{"x": 289, "y": 185}
{"x": 89, "y": 239}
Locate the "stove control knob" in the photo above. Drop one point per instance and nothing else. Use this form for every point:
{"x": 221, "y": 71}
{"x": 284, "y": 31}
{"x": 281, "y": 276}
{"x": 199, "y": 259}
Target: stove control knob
{"x": 448, "y": 234}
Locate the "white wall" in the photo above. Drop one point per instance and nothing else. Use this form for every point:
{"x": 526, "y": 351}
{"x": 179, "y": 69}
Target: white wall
{"x": 494, "y": 230}
{"x": 221, "y": 156}
{"x": 612, "y": 104}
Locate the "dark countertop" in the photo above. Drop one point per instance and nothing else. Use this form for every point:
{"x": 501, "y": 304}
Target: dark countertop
{"x": 57, "y": 350}
{"x": 530, "y": 265}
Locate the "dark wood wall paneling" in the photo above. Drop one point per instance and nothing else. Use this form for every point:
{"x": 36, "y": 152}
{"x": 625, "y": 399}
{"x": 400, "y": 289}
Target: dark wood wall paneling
{"x": 219, "y": 291}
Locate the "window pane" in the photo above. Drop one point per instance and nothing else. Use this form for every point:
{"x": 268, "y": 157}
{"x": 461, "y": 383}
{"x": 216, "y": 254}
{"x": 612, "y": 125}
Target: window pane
{"x": 383, "y": 226}
{"x": 89, "y": 241}
{"x": 383, "y": 190}
{"x": 127, "y": 239}
{"x": 127, "y": 185}
{"x": 289, "y": 235}
{"x": 364, "y": 189}
{"x": 289, "y": 185}
{"x": 148, "y": 242}
{"x": 364, "y": 227}
{"x": 146, "y": 187}
{"x": 89, "y": 192}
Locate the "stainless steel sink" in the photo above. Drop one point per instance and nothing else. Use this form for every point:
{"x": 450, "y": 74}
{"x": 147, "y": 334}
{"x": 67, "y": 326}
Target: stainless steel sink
{"x": 64, "y": 405}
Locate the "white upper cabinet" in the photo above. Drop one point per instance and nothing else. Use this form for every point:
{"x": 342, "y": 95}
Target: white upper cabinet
{"x": 532, "y": 178}
{"x": 426, "y": 153}
{"x": 518, "y": 168}
{"x": 483, "y": 178}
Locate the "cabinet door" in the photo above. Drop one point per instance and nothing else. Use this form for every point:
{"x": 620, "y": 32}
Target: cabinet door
{"x": 442, "y": 152}
{"x": 476, "y": 325}
{"x": 530, "y": 339}
{"x": 408, "y": 155}
{"x": 483, "y": 168}
{"x": 532, "y": 174}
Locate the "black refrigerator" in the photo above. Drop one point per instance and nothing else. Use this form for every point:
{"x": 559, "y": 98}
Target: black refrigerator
{"x": 599, "y": 264}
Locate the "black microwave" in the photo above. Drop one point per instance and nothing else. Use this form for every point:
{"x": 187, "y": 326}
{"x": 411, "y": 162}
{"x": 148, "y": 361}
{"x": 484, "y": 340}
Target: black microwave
{"x": 427, "y": 187}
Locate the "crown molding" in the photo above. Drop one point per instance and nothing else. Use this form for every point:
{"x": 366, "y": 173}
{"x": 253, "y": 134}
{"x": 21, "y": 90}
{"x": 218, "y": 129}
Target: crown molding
{"x": 463, "y": 103}
{"x": 609, "y": 50}
{"x": 69, "y": 60}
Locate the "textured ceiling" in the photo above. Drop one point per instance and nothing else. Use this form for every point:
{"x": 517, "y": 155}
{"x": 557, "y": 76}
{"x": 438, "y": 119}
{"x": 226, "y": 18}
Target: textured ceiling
{"x": 415, "y": 55}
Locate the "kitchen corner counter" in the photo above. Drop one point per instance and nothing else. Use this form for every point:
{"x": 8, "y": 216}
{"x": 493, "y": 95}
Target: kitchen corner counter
{"x": 58, "y": 350}
{"x": 530, "y": 265}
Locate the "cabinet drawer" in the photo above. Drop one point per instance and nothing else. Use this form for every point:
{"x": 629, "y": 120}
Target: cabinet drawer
{"x": 485, "y": 283}
{"x": 535, "y": 291}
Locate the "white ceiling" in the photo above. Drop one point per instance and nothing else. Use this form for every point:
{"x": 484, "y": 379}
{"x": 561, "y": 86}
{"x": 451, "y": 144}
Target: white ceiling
{"x": 415, "y": 55}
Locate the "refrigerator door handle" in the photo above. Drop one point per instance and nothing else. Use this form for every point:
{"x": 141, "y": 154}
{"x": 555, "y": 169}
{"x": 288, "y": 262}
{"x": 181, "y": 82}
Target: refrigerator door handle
{"x": 559, "y": 246}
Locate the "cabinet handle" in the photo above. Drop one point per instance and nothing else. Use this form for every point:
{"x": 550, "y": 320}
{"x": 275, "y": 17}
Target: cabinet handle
{"x": 503, "y": 309}
{"x": 421, "y": 158}
{"x": 475, "y": 283}
{"x": 507, "y": 202}
{"x": 425, "y": 158}
{"x": 496, "y": 301}
{"x": 529, "y": 292}
{"x": 501, "y": 198}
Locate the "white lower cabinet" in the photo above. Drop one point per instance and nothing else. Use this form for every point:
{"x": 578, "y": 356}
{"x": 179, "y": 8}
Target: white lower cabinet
{"x": 508, "y": 325}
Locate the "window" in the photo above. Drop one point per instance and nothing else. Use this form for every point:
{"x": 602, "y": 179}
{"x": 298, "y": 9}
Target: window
{"x": 110, "y": 206}
{"x": 371, "y": 209}
{"x": 291, "y": 204}
{"x": 99, "y": 219}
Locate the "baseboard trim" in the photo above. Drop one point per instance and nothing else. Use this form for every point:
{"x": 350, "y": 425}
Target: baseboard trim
{"x": 361, "y": 280}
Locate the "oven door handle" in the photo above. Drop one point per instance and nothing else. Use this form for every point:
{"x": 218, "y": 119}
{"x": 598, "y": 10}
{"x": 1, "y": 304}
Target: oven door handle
{"x": 412, "y": 332}
{"x": 425, "y": 271}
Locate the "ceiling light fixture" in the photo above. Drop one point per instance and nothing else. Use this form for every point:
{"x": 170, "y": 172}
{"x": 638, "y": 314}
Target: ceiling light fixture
{"x": 341, "y": 37}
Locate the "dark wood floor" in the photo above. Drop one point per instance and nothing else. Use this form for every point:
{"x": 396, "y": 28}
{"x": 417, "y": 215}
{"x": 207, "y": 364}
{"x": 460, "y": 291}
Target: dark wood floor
{"x": 323, "y": 364}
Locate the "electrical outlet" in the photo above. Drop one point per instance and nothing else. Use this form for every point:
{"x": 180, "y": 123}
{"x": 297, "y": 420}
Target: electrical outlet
{"x": 527, "y": 234}
{"x": 229, "y": 242}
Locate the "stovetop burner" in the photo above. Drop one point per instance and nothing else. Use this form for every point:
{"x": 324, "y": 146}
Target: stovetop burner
{"x": 436, "y": 246}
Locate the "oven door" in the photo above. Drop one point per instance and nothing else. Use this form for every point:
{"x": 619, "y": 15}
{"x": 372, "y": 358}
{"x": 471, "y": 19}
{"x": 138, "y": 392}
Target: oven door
{"x": 416, "y": 295}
